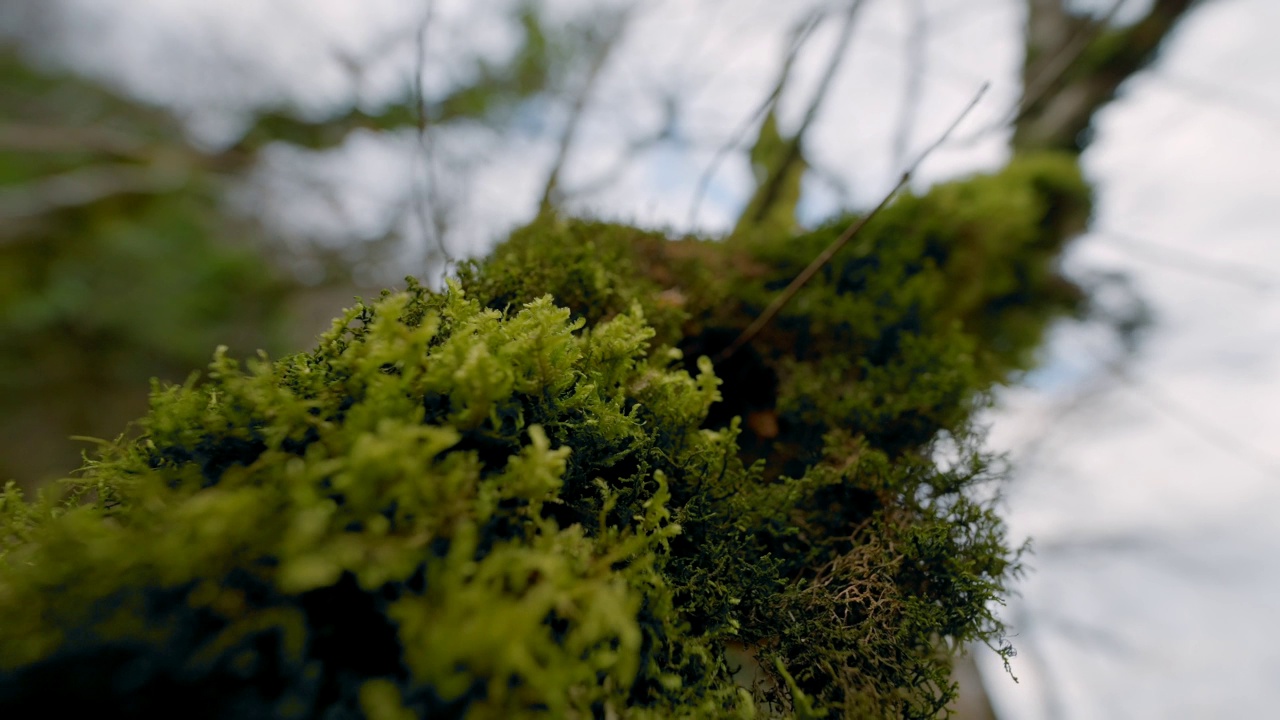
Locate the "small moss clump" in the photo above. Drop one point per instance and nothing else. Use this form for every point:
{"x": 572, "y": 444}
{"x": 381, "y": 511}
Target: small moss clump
{"x": 532, "y": 493}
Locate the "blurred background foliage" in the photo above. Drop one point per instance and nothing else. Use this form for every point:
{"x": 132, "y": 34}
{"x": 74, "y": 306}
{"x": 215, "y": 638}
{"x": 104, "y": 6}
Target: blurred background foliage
{"x": 128, "y": 251}
{"x": 119, "y": 262}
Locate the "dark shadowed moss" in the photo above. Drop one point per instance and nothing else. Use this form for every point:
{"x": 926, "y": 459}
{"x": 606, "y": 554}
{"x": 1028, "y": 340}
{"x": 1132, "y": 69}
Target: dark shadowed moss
{"x": 533, "y": 495}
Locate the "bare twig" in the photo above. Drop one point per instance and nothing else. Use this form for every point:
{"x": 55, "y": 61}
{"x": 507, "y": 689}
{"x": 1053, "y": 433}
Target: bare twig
{"x": 838, "y": 54}
{"x": 429, "y": 213}
{"x": 915, "y": 62}
{"x": 1238, "y": 274}
{"x": 1214, "y": 92}
{"x": 576, "y": 111}
{"x": 779, "y": 173}
{"x": 1193, "y": 420}
{"x": 800, "y": 36}
{"x": 637, "y": 145}
{"x": 851, "y": 232}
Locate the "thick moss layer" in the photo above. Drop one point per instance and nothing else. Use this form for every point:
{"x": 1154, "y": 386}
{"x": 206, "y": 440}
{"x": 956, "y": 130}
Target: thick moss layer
{"x": 533, "y": 494}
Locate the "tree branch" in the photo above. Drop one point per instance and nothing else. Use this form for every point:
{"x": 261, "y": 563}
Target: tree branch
{"x": 430, "y": 215}
{"x": 1066, "y": 88}
{"x": 577, "y": 109}
{"x": 1055, "y": 65}
{"x": 851, "y": 232}
{"x": 771, "y": 189}
{"x": 800, "y": 36}
{"x": 917, "y": 38}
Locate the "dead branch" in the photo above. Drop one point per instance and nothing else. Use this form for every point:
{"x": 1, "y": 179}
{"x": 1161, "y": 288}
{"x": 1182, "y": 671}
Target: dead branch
{"x": 634, "y": 147}
{"x": 772, "y": 186}
{"x": 427, "y": 209}
{"x": 1238, "y": 274}
{"x": 917, "y": 39}
{"x": 577, "y": 109}
{"x": 800, "y": 36}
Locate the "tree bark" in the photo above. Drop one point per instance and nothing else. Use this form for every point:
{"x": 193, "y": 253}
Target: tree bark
{"x": 1074, "y": 66}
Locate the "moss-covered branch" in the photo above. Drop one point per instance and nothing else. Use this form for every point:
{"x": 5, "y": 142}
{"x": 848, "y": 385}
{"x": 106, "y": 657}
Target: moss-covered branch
{"x": 533, "y": 495}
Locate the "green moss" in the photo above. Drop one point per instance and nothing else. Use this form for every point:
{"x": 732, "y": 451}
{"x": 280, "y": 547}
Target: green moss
{"x": 533, "y": 495}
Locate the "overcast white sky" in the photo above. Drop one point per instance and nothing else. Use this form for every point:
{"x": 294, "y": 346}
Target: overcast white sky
{"x": 1153, "y": 501}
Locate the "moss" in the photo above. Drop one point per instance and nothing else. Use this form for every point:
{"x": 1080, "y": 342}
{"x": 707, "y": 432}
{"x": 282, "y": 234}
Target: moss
{"x": 532, "y": 494}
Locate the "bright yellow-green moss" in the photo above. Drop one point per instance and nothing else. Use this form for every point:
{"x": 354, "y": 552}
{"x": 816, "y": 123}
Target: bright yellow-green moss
{"x": 532, "y": 494}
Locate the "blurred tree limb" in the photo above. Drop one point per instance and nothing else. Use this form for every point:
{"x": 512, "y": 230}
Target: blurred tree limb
{"x": 535, "y": 65}
{"x": 1075, "y": 63}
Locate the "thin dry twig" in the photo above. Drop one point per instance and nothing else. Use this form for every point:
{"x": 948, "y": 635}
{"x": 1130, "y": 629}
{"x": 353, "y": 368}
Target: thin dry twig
{"x": 772, "y": 185}
{"x": 1213, "y": 91}
{"x": 577, "y": 110}
{"x": 838, "y": 54}
{"x": 851, "y": 232}
{"x": 800, "y": 36}
{"x": 17, "y": 137}
{"x": 606, "y": 179}
{"x": 428, "y": 211}
{"x": 1164, "y": 255}
{"x": 1191, "y": 419}
{"x": 917, "y": 39}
